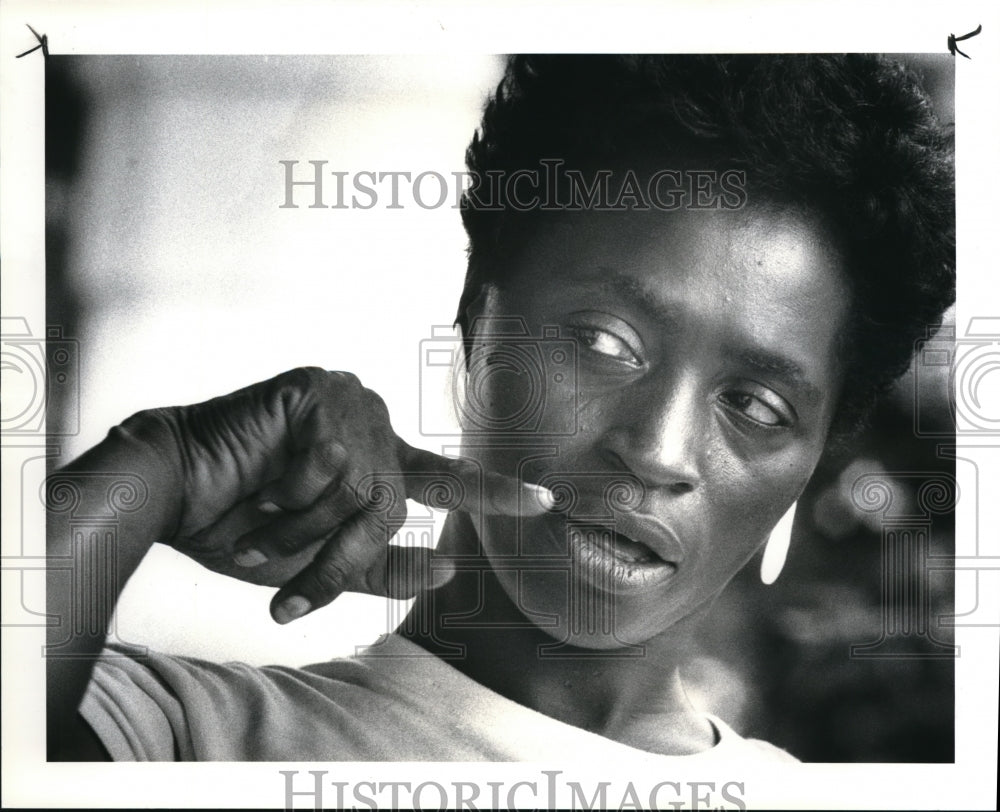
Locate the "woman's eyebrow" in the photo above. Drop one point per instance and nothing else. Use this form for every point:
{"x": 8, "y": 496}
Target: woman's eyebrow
{"x": 616, "y": 283}
{"x": 773, "y": 365}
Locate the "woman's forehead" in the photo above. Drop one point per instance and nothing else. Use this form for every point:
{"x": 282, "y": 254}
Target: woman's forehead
{"x": 757, "y": 279}
{"x": 762, "y": 245}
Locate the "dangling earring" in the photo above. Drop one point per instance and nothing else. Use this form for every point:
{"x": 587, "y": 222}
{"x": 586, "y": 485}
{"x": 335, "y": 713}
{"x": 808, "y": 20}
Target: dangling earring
{"x": 776, "y": 549}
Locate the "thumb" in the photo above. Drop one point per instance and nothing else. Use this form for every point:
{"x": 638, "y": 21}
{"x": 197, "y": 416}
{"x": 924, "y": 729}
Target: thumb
{"x": 451, "y": 483}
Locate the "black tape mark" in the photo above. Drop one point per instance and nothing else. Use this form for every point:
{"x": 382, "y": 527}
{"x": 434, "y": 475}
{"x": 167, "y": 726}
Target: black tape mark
{"x": 43, "y": 43}
{"x": 952, "y": 39}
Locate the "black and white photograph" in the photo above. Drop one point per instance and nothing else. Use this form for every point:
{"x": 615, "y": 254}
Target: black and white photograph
{"x": 481, "y": 426}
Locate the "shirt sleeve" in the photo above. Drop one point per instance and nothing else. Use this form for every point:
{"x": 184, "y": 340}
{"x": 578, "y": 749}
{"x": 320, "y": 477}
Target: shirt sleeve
{"x": 148, "y": 706}
{"x": 133, "y": 711}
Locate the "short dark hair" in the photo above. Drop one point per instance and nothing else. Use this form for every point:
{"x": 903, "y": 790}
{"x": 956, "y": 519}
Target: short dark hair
{"x": 851, "y": 137}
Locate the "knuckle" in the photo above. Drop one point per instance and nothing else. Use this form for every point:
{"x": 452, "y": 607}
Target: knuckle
{"x": 344, "y": 379}
{"x": 329, "y": 457}
{"x": 380, "y": 528}
{"x": 377, "y": 496}
{"x": 334, "y": 575}
{"x": 377, "y": 578}
{"x": 318, "y": 479}
{"x": 303, "y": 377}
{"x": 285, "y": 542}
{"x": 309, "y": 377}
{"x": 291, "y": 535}
{"x": 331, "y": 513}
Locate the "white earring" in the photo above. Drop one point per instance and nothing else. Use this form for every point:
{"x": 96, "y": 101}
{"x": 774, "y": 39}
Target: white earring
{"x": 776, "y": 549}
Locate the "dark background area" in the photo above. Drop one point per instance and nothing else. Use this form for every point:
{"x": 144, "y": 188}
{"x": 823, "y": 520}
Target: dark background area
{"x": 820, "y": 689}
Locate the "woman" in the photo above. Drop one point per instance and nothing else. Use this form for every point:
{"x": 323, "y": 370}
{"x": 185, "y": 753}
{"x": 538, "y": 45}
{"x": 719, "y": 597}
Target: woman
{"x": 687, "y": 277}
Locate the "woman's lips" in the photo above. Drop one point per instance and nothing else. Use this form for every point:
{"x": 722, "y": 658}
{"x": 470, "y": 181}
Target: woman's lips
{"x": 612, "y": 562}
{"x": 632, "y": 551}
{"x": 650, "y": 534}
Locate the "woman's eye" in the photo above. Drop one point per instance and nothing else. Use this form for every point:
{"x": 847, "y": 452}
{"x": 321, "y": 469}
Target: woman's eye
{"x": 605, "y": 343}
{"x": 755, "y": 408}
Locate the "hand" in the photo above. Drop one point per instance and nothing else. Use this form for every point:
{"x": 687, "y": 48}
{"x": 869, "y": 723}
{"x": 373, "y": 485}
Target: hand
{"x": 300, "y": 482}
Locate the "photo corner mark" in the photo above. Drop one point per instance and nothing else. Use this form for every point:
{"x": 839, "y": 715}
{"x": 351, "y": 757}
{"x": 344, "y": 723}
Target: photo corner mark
{"x": 43, "y": 43}
{"x": 953, "y": 41}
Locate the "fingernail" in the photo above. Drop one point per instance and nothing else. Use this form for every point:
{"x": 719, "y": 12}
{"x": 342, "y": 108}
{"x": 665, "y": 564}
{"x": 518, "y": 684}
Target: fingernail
{"x": 291, "y": 608}
{"x": 268, "y": 507}
{"x": 249, "y": 557}
{"x": 544, "y": 496}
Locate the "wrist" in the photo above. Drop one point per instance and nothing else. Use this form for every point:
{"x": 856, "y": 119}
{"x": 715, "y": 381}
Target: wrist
{"x": 136, "y": 472}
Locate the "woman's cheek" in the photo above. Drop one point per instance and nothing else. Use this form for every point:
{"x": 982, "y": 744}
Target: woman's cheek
{"x": 745, "y": 498}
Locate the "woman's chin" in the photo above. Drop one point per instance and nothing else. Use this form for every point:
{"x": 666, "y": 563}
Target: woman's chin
{"x": 576, "y": 614}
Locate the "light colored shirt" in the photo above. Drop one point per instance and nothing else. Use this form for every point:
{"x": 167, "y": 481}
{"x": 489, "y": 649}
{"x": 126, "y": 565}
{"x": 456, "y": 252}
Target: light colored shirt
{"x": 392, "y": 702}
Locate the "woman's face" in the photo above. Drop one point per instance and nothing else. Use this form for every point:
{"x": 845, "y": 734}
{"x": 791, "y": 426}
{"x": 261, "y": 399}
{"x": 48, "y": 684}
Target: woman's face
{"x": 705, "y": 380}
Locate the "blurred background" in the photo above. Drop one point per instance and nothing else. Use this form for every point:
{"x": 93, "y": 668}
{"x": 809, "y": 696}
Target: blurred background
{"x": 174, "y": 268}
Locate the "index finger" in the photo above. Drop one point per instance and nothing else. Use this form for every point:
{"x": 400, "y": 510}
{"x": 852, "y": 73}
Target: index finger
{"x": 428, "y": 476}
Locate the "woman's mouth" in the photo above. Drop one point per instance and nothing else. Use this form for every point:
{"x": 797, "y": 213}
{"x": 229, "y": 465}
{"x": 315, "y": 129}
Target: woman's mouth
{"x": 612, "y": 562}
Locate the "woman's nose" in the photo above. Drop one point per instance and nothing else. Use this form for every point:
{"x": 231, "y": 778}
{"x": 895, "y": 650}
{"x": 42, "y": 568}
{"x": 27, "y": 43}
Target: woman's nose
{"x": 656, "y": 434}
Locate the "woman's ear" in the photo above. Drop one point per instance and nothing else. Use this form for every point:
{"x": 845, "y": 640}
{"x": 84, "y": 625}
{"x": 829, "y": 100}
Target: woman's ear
{"x": 473, "y": 328}
{"x": 476, "y": 313}
{"x": 482, "y": 307}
